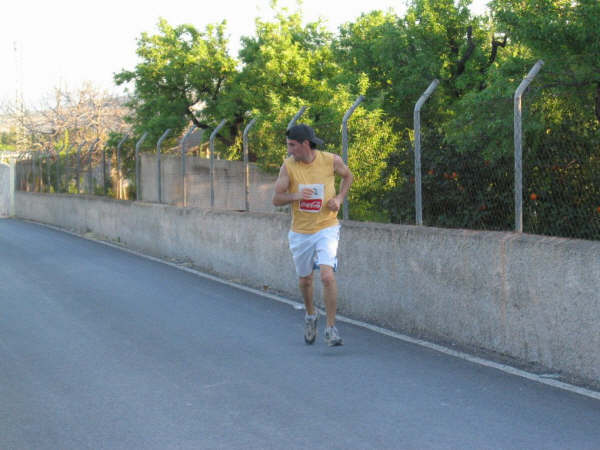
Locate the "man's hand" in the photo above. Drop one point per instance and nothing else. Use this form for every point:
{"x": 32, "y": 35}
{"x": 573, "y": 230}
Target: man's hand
{"x": 306, "y": 194}
{"x": 334, "y": 204}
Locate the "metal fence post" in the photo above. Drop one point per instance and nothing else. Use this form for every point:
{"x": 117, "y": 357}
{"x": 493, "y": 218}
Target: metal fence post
{"x": 49, "y": 169}
{"x": 345, "y": 144}
{"x": 138, "y": 184}
{"x": 90, "y": 176}
{"x": 67, "y": 168}
{"x": 158, "y": 144}
{"x": 40, "y": 181}
{"x": 119, "y": 180}
{"x": 57, "y": 163}
{"x": 42, "y": 166}
{"x": 212, "y": 161}
{"x": 104, "y": 170}
{"x": 46, "y": 183}
{"x": 41, "y": 161}
{"x": 246, "y": 165}
{"x": 417, "y": 125}
{"x": 518, "y": 135}
{"x": 12, "y": 186}
{"x": 34, "y": 176}
{"x": 183, "y": 141}
{"x": 296, "y": 117}
{"x": 41, "y": 171}
{"x": 78, "y": 165}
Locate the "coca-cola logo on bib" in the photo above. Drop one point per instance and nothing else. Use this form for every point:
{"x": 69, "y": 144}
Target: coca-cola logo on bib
{"x": 315, "y": 202}
{"x": 311, "y": 205}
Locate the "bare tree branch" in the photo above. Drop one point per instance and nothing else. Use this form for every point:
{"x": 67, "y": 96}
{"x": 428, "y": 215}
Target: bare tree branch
{"x": 468, "y": 53}
{"x": 495, "y": 45}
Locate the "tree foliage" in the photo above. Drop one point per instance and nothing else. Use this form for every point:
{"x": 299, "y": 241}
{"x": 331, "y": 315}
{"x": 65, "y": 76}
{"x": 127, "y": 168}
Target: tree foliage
{"x": 180, "y": 78}
{"x": 186, "y": 76}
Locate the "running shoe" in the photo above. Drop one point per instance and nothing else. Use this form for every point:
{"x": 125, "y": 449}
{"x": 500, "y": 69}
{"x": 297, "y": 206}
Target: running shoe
{"x": 332, "y": 337}
{"x": 310, "y": 328}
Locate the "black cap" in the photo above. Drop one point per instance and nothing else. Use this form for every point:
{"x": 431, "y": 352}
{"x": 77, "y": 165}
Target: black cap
{"x": 303, "y": 133}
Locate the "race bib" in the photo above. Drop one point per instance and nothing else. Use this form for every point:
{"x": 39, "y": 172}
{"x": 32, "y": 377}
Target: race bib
{"x": 315, "y": 203}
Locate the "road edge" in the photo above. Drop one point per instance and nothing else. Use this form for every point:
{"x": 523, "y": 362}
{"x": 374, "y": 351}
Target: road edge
{"x": 538, "y": 378}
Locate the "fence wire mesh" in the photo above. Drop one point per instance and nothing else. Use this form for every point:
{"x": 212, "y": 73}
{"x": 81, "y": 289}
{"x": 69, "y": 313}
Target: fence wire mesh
{"x": 461, "y": 187}
{"x": 561, "y": 189}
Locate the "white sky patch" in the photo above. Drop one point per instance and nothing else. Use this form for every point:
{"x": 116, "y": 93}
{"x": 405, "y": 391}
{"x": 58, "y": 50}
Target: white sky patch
{"x": 68, "y": 42}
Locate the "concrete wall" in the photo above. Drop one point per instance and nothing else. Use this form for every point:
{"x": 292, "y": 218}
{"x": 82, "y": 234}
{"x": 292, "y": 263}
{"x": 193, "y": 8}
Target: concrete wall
{"x": 4, "y": 189}
{"x": 228, "y": 183}
{"x": 529, "y": 297}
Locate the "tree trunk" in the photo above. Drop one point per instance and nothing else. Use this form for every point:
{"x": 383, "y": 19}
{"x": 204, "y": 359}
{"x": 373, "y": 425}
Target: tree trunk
{"x": 468, "y": 53}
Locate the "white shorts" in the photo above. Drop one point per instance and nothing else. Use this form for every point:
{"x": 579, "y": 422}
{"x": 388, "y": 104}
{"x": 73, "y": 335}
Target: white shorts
{"x": 312, "y": 250}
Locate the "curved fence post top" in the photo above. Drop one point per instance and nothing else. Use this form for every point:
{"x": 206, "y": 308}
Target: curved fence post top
{"x": 212, "y": 161}
{"x": 162, "y": 138}
{"x": 358, "y": 101}
{"x": 246, "y": 168}
{"x": 518, "y": 143}
{"x": 216, "y": 130}
{"x": 528, "y": 79}
{"x": 347, "y": 115}
{"x": 296, "y": 117}
{"x": 426, "y": 95}
{"x": 417, "y": 129}
{"x": 345, "y": 127}
{"x": 187, "y": 135}
{"x": 123, "y": 139}
{"x": 247, "y": 128}
{"x": 141, "y": 140}
{"x": 93, "y": 146}
{"x": 189, "y": 132}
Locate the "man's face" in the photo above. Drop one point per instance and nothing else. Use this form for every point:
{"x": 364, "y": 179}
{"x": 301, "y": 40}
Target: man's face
{"x": 299, "y": 150}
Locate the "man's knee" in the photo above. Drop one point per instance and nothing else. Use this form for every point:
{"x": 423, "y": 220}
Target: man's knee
{"x": 306, "y": 281}
{"x": 327, "y": 275}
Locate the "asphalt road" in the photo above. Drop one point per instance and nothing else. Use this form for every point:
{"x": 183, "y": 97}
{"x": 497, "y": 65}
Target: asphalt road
{"x": 100, "y": 348}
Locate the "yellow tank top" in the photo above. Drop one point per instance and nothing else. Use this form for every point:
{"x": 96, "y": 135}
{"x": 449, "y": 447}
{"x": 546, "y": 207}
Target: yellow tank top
{"x": 310, "y": 216}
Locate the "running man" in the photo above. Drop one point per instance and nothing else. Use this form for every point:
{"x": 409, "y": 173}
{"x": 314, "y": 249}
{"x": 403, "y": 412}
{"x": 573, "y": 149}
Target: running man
{"x": 307, "y": 181}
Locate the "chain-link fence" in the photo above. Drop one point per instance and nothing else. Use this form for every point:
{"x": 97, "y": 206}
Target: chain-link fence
{"x": 552, "y": 189}
{"x": 78, "y": 172}
{"x": 561, "y": 182}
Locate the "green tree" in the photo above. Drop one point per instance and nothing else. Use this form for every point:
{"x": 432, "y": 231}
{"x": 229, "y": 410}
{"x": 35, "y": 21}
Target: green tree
{"x": 8, "y": 139}
{"x": 467, "y": 124}
{"x": 400, "y": 57}
{"x": 179, "y": 80}
{"x": 562, "y": 116}
{"x": 285, "y": 66}
{"x": 288, "y": 65}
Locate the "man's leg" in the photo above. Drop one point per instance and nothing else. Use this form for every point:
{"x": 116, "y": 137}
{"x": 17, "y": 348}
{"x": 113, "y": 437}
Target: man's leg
{"x": 332, "y": 336}
{"x": 306, "y": 288}
{"x": 311, "y": 317}
{"x": 329, "y": 293}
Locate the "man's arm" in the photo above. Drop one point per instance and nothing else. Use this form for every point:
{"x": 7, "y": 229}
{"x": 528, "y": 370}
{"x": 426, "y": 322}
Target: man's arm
{"x": 281, "y": 195}
{"x": 342, "y": 170}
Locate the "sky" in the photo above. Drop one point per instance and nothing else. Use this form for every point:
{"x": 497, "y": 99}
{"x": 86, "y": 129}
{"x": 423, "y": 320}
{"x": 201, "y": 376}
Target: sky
{"x": 69, "y": 42}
